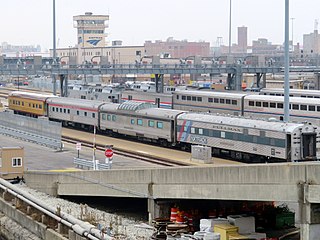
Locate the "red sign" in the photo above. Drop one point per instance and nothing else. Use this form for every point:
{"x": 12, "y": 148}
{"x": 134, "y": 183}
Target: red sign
{"x": 108, "y": 153}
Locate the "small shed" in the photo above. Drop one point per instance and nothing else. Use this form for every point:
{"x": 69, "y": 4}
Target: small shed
{"x": 11, "y": 162}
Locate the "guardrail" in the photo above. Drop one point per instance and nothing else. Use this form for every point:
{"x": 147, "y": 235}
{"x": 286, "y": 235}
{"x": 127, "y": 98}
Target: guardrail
{"x": 81, "y": 163}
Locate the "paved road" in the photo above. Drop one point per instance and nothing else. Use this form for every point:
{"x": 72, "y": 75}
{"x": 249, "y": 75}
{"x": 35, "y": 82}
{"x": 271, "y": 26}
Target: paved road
{"x": 42, "y": 158}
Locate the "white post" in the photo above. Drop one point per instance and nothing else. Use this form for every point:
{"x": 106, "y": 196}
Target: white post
{"x": 94, "y": 148}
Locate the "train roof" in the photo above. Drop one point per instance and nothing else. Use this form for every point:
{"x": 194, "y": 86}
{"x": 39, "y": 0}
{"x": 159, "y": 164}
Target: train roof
{"x": 81, "y": 103}
{"x": 232, "y": 121}
{"x": 300, "y": 91}
{"x": 133, "y": 106}
{"x": 270, "y": 98}
{"x": 159, "y": 113}
{"x": 31, "y": 95}
{"x": 210, "y": 93}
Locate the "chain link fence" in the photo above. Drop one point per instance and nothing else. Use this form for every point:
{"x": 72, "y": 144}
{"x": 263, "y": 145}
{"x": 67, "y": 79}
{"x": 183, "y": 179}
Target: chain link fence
{"x": 37, "y": 130}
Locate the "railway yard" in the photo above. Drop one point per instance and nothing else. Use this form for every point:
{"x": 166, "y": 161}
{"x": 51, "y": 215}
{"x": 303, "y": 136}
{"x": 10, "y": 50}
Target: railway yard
{"x": 133, "y": 154}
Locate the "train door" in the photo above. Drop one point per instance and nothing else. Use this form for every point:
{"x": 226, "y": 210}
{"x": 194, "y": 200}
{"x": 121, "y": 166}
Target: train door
{"x": 157, "y": 102}
{"x": 308, "y": 145}
{"x": 289, "y": 146}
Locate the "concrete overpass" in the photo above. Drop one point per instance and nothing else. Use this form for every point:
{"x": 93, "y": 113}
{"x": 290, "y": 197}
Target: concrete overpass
{"x": 290, "y": 182}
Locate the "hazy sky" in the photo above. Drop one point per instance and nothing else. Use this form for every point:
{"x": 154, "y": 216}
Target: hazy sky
{"x": 29, "y": 22}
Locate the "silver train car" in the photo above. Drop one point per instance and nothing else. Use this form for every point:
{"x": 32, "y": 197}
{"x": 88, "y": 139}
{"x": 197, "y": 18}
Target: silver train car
{"x": 300, "y": 109}
{"x": 74, "y": 112}
{"x": 249, "y": 140}
{"x": 141, "y": 120}
{"x": 203, "y": 101}
{"x": 292, "y": 92}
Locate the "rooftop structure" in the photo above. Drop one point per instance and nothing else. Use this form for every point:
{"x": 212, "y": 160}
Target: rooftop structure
{"x": 91, "y": 29}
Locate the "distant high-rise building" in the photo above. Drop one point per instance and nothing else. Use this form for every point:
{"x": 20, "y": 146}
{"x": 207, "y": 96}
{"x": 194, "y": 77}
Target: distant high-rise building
{"x": 91, "y": 29}
{"x": 311, "y": 43}
{"x": 243, "y": 39}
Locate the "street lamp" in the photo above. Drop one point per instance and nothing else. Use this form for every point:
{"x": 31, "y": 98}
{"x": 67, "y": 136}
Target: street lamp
{"x": 54, "y": 47}
{"x": 18, "y": 67}
{"x": 292, "y": 33}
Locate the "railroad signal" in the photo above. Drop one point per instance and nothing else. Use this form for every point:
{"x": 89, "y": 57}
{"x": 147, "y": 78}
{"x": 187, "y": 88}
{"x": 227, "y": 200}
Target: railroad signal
{"x": 108, "y": 153}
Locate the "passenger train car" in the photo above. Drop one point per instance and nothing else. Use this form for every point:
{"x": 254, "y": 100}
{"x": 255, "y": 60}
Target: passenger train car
{"x": 248, "y": 139}
{"x": 203, "y": 101}
{"x": 239, "y": 138}
{"x": 29, "y": 104}
{"x": 292, "y": 92}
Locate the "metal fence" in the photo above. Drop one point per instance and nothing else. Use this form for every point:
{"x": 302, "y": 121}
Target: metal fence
{"x": 37, "y": 130}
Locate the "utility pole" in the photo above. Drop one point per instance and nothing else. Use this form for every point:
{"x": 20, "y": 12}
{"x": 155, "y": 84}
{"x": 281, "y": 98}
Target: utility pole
{"x": 54, "y": 48}
{"x": 286, "y": 63}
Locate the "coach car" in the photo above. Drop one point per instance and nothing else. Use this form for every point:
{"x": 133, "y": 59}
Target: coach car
{"x": 140, "y": 120}
{"x": 29, "y": 104}
{"x": 248, "y": 139}
{"x": 74, "y": 112}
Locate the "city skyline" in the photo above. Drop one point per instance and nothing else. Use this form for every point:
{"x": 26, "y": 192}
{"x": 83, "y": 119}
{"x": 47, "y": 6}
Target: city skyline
{"x": 142, "y": 20}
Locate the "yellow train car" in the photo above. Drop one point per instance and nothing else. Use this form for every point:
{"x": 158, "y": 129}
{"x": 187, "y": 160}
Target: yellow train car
{"x": 29, "y": 104}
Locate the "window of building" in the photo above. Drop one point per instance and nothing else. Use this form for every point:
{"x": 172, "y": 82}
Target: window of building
{"x": 17, "y": 162}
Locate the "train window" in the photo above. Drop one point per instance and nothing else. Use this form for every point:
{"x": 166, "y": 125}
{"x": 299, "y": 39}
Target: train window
{"x": 132, "y": 121}
{"x": 93, "y": 115}
{"x": 69, "y": 111}
{"x": 61, "y": 110}
{"x": 109, "y": 117}
{"x": 200, "y": 131}
{"x": 290, "y": 106}
{"x": 64, "y": 110}
{"x": 222, "y": 100}
{"x": 223, "y": 135}
{"x": 199, "y": 99}
{"x": 129, "y": 97}
{"x": 258, "y": 104}
{"x": 40, "y": 106}
{"x": 279, "y": 105}
{"x": 188, "y": 98}
{"x": 272, "y": 105}
{"x": 22, "y": 103}
{"x": 295, "y": 106}
{"x": 228, "y": 101}
{"x": 177, "y": 97}
{"x": 52, "y": 109}
{"x": 33, "y": 105}
{"x": 234, "y": 102}
{"x": 312, "y": 108}
{"x": 265, "y": 104}
{"x": 318, "y": 108}
{"x": 272, "y": 142}
{"x": 57, "y": 110}
{"x": 251, "y": 103}
{"x": 210, "y": 99}
{"x": 235, "y": 136}
{"x": 85, "y": 114}
{"x": 192, "y": 130}
{"x": 139, "y": 122}
{"x": 36, "y": 105}
{"x": 114, "y": 118}
{"x": 216, "y": 100}
{"x": 245, "y": 131}
{"x": 78, "y": 113}
{"x": 29, "y": 104}
{"x": 262, "y": 133}
{"x": 194, "y": 98}
{"x": 303, "y": 107}
{"x": 159, "y": 125}
{"x": 151, "y": 123}
{"x": 303, "y": 96}
{"x": 254, "y": 139}
{"x": 185, "y": 128}
{"x": 183, "y": 97}
{"x": 103, "y": 116}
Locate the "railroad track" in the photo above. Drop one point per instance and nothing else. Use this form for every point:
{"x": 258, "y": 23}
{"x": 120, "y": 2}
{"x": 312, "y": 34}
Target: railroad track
{"x": 135, "y": 155}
